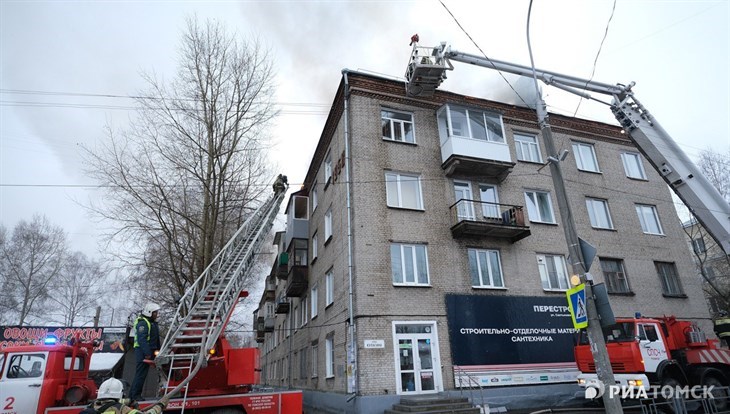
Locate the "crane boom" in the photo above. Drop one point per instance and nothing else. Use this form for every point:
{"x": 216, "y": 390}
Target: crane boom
{"x": 427, "y": 69}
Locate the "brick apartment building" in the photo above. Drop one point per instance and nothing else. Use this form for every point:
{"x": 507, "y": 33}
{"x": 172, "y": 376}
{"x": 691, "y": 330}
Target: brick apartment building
{"x": 431, "y": 225}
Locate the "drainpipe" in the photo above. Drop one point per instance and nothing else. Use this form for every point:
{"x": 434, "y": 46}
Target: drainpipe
{"x": 352, "y": 351}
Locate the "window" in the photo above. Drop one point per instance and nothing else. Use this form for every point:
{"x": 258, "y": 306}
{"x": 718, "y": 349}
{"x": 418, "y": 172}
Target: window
{"x": 553, "y": 273}
{"x": 668, "y": 277}
{"x": 303, "y": 362}
{"x": 585, "y": 157}
{"x": 315, "y": 359}
{"x": 397, "y": 126}
{"x": 314, "y": 196}
{"x": 303, "y": 311}
{"x": 314, "y": 246}
{"x": 464, "y": 200}
{"x": 539, "y": 206}
{"x": 476, "y": 124}
{"x": 403, "y": 190}
{"x": 26, "y": 366}
{"x": 329, "y": 293}
{"x": 328, "y": 167}
{"x": 485, "y": 268}
{"x": 615, "y": 276}
{"x": 329, "y": 353}
{"x": 527, "y": 148}
{"x": 409, "y": 264}
{"x": 698, "y": 245}
{"x": 488, "y": 195}
{"x": 328, "y": 225}
{"x": 295, "y": 316}
{"x": 598, "y": 213}
{"x": 633, "y": 165}
{"x": 649, "y": 219}
{"x": 314, "y": 301}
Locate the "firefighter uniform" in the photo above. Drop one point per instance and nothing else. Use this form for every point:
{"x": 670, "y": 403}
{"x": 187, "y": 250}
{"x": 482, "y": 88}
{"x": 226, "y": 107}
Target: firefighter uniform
{"x": 146, "y": 342}
{"x": 119, "y": 408}
{"x": 722, "y": 329}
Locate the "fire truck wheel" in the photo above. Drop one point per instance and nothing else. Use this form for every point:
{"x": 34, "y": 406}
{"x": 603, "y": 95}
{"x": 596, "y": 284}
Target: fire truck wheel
{"x": 227, "y": 410}
{"x": 720, "y": 393}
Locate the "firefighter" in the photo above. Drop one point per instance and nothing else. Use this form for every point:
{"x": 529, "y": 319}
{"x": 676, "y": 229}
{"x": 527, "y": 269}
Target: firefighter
{"x": 722, "y": 328}
{"x": 146, "y": 342}
{"x": 109, "y": 401}
{"x": 280, "y": 183}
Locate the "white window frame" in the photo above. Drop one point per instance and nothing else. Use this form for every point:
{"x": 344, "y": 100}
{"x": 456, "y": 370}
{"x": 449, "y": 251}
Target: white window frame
{"x": 468, "y": 131}
{"x": 400, "y": 124}
{"x": 328, "y": 225}
{"x": 328, "y": 167}
{"x": 315, "y": 244}
{"x": 397, "y": 178}
{"x": 535, "y": 216}
{"x": 414, "y": 264}
{"x": 629, "y": 158}
{"x": 486, "y": 213}
{"x": 560, "y": 267}
{"x": 489, "y": 277}
{"x": 698, "y": 245}
{"x": 329, "y": 291}
{"x": 525, "y": 142}
{"x": 329, "y": 350}
{"x": 304, "y": 310}
{"x": 598, "y": 211}
{"x": 465, "y": 208}
{"x": 315, "y": 298}
{"x": 580, "y": 155}
{"x": 315, "y": 197}
{"x": 642, "y": 210}
{"x": 315, "y": 359}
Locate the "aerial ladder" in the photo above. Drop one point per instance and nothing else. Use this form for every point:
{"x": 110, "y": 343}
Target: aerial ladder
{"x": 427, "y": 69}
{"x": 205, "y": 308}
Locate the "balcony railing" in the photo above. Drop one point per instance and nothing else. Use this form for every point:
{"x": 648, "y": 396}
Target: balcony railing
{"x": 474, "y": 219}
{"x": 283, "y": 262}
{"x": 282, "y": 304}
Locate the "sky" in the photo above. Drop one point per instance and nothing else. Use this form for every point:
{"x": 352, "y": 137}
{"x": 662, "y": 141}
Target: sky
{"x": 57, "y": 56}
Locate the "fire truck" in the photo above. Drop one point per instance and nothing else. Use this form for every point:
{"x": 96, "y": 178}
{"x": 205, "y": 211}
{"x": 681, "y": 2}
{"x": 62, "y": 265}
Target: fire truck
{"x": 201, "y": 370}
{"x": 656, "y": 351}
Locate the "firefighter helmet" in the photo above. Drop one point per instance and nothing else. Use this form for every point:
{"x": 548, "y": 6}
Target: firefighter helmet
{"x": 149, "y": 309}
{"x": 111, "y": 388}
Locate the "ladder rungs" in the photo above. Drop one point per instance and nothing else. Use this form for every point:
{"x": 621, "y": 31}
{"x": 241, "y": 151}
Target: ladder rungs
{"x": 190, "y": 345}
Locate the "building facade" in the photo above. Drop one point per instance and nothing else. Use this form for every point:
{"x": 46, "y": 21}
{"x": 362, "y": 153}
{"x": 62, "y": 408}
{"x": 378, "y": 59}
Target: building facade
{"x": 424, "y": 253}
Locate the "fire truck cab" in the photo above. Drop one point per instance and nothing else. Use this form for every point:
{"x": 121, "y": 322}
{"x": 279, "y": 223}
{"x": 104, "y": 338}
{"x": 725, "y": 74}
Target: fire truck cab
{"x": 35, "y": 377}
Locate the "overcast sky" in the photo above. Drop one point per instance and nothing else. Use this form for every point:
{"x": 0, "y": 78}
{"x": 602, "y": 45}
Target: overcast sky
{"x": 55, "y": 53}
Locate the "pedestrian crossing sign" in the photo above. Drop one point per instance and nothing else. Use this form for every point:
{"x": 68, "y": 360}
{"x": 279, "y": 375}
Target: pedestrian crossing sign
{"x": 577, "y": 306}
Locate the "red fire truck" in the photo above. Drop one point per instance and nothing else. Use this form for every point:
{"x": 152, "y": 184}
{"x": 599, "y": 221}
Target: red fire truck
{"x": 201, "y": 370}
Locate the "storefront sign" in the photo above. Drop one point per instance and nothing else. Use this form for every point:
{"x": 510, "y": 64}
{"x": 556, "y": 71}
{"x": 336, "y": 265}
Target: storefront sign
{"x": 111, "y": 339}
{"x": 510, "y": 340}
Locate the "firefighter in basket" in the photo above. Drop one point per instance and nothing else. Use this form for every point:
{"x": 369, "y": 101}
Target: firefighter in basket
{"x": 146, "y": 343}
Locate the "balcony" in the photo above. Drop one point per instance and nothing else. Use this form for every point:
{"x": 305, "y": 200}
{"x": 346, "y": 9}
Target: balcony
{"x": 282, "y": 305}
{"x": 473, "y": 144}
{"x": 269, "y": 324}
{"x": 270, "y": 291}
{"x": 298, "y": 276}
{"x": 260, "y": 336}
{"x": 477, "y": 219}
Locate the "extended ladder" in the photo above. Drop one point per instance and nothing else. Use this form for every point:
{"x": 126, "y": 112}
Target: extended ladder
{"x": 207, "y": 304}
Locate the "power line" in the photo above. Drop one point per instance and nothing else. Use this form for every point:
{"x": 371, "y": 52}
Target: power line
{"x": 483, "y": 54}
{"x": 595, "y": 61}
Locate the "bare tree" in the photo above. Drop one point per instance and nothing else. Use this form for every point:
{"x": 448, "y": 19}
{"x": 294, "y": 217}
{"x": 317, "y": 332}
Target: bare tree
{"x": 191, "y": 166}
{"x": 31, "y": 258}
{"x": 77, "y": 287}
{"x": 712, "y": 263}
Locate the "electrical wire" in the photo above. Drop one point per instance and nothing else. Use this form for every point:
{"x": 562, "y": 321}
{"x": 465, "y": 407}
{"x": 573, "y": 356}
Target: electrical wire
{"x": 484, "y": 54}
{"x": 595, "y": 61}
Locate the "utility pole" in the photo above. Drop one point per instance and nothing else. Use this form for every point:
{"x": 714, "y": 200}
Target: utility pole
{"x": 575, "y": 256}
{"x": 96, "y": 317}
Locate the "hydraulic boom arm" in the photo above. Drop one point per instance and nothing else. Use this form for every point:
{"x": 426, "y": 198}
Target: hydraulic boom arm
{"x": 427, "y": 69}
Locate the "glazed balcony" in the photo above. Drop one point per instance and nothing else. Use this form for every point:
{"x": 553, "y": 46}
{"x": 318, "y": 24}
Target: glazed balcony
{"x": 297, "y": 281}
{"x": 282, "y": 265}
{"x": 477, "y": 219}
{"x": 269, "y": 324}
{"x": 472, "y": 143}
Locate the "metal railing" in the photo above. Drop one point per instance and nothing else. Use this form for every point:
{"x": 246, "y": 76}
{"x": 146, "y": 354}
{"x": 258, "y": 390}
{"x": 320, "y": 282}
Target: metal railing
{"x": 484, "y": 211}
{"x": 471, "y": 383}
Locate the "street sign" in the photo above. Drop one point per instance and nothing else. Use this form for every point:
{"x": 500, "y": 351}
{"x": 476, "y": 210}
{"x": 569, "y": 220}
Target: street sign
{"x": 577, "y": 306}
{"x": 588, "y": 252}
